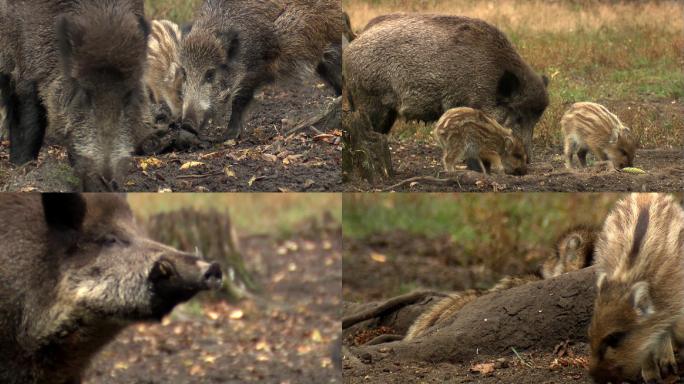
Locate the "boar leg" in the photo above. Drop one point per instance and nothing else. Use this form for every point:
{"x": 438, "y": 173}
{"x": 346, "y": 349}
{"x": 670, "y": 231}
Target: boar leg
{"x": 239, "y": 101}
{"x": 27, "y": 122}
{"x": 582, "y": 156}
{"x": 382, "y": 118}
{"x": 569, "y": 150}
{"x": 661, "y": 361}
{"x": 330, "y": 68}
{"x": 678, "y": 336}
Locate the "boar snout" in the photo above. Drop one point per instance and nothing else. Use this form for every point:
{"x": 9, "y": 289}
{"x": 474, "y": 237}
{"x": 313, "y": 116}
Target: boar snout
{"x": 185, "y": 272}
{"x": 212, "y": 275}
{"x": 177, "y": 277}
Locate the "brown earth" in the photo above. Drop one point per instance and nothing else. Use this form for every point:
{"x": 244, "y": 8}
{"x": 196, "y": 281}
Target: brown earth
{"x": 412, "y": 158}
{"x": 265, "y": 158}
{"x": 281, "y": 335}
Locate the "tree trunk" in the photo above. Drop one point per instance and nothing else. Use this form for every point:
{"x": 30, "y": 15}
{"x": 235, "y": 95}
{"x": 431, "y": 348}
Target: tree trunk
{"x": 366, "y": 153}
{"x": 536, "y": 315}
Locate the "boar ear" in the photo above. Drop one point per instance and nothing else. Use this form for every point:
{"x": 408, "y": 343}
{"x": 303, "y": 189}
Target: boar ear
{"x": 69, "y": 36}
{"x": 641, "y": 299}
{"x": 600, "y": 281}
{"x": 508, "y": 86}
{"x": 574, "y": 241}
{"x": 231, "y": 44}
{"x": 64, "y": 211}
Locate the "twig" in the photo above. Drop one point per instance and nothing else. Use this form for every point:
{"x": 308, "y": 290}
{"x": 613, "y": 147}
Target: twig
{"x": 386, "y": 338}
{"x": 388, "y": 306}
{"x": 431, "y": 179}
{"x": 199, "y": 176}
{"x": 526, "y": 363}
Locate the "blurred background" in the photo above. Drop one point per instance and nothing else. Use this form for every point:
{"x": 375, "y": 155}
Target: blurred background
{"x": 178, "y": 11}
{"x": 397, "y": 243}
{"x": 278, "y": 314}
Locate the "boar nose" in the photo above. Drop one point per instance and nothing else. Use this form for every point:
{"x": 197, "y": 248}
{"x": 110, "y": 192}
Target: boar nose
{"x": 211, "y": 275}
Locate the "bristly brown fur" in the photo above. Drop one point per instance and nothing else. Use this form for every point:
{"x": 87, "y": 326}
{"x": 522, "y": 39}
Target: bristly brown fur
{"x": 592, "y": 127}
{"x": 639, "y": 256}
{"x": 469, "y": 134}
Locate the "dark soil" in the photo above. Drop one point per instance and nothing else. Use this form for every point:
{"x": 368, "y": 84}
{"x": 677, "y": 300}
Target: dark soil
{"x": 530, "y": 367}
{"x": 265, "y": 158}
{"x": 411, "y": 158}
{"x": 282, "y": 335}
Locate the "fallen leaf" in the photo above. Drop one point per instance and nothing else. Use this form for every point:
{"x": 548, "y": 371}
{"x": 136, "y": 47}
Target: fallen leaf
{"x": 230, "y": 143}
{"x": 236, "y": 314}
{"x": 229, "y": 172}
{"x": 378, "y": 257}
{"x": 191, "y": 164}
{"x": 483, "y": 368}
{"x": 269, "y": 157}
{"x": 316, "y": 336}
{"x": 150, "y": 162}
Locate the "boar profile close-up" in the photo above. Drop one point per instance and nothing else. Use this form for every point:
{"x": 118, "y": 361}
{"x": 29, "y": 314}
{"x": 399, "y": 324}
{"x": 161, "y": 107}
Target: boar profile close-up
{"x": 77, "y": 270}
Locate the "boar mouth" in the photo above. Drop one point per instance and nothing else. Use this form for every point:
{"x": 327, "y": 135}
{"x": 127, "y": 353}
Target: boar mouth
{"x": 172, "y": 286}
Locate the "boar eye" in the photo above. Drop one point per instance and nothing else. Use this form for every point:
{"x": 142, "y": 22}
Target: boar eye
{"x": 209, "y": 76}
{"x": 109, "y": 240}
{"x": 614, "y": 339}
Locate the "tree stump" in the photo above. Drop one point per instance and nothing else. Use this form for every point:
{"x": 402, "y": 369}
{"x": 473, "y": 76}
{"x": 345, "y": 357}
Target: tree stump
{"x": 365, "y": 153}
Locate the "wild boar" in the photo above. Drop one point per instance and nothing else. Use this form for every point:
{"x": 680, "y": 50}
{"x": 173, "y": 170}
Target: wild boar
{"x": 419, "y": 66}
{"x": 164, "y": 74}
{"x": 468, "y": 134}
{"x": 639, "y": 306}
{"x": 76, "y": 271}
{"x": 574, "y": 249}
{"x": 79, "y": 66}
{"x": 235, "y": 47}
{"x": 592, "y": 127}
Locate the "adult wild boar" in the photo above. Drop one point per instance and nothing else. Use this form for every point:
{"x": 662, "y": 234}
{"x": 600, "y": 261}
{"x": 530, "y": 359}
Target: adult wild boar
{"x": 77, "y": 64}
{"x": 419, "y": 66}
{"x": 75, "y": 271}
{"x": 237, "y": 46}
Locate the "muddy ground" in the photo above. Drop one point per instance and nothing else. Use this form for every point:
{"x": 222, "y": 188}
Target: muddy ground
{"x": 415, "y": 263}
{"x": 417, "y": 165}
{"x": 265, "y": 158}
{"x": 413, "y": 159}
{"x": 282, "y": 335}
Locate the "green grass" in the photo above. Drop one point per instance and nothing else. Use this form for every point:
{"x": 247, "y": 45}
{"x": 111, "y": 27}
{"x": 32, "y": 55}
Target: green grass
{"x": 498, "y": 226}
{"x": 179, "y": 11}
{"x": 269, "y": 213}
{"x": 611, "y": 53}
